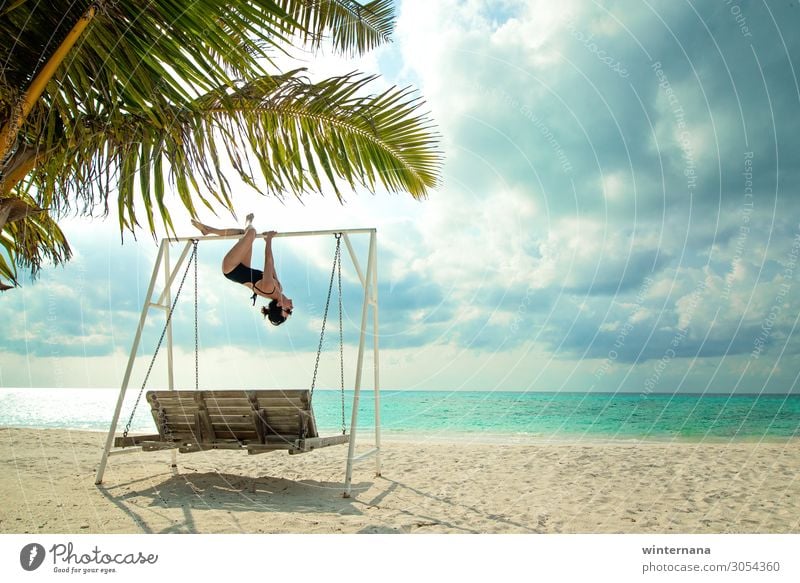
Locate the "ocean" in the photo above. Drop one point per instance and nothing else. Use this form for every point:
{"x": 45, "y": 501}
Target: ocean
{"x": 537, "y": 416}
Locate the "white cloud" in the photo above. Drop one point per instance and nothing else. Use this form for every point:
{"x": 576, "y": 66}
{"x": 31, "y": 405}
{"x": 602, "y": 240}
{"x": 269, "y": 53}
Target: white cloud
{"x": 615, "y": 186}
{"x": 585, "y": 254}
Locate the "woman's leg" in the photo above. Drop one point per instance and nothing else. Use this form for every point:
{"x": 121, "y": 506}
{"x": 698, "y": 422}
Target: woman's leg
{"x": 206, "y": 230}
{"x": 241, "y": 252}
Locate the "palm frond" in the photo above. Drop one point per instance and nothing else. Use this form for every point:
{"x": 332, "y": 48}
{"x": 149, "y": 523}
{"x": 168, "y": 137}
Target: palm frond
{"x": 354, "y": 28}
{"x": 30, "y": 242}
{"x": 300, "y": 136}
{"x": 300, "y": 131}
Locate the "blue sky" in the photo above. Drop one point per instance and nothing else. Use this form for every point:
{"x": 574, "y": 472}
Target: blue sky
{"x": 619, "y": 211}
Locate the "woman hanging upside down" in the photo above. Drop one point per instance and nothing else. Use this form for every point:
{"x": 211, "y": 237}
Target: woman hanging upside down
{"x": 236, "y": 267}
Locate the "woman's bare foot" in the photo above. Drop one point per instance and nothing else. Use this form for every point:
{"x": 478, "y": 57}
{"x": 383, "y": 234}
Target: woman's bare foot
{"x": 206, "y": 230}
{"x": 201, "y": 227}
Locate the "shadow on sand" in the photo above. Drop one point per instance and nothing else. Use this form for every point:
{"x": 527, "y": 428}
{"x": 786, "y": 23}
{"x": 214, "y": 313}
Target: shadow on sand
{"x": 170, "y": 503}
{"x": 229, "y": 493}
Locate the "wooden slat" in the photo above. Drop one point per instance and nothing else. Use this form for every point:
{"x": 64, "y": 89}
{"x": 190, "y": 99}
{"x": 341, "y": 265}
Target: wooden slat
{"x": 257, "y": 448}
{"x": 292, "y": 394}
{"x": 221, "y": 420}
{"x": 214, "y": 410}
{"x": 187, "y": 407}
{"x": 269, "y": 414}
{"x": 188, "y": 418}
{"x": 224, "y": 407}
{"x": 173, "y": 404}
{"x": 279, "y": 411}
{"x": 325, "y": 441}
{"x": 211, "y": 446}
{"x": 231, "y": 437}
{"x": 230, "y": 442}
{"x": 134, "y": 440}
{"x": 219, "y": 429}
{"x": 235, "y": 429}
{"x": 236, "y": 433}
{"x": 276, "y": 429}
{"x": 292, "y": 426}
{"x": 187, "y": 415}
{"x": 237, "y": 403}
{"x": 170, "y": 402}
{"x": 158, "y": 446}
{"x": 309, "y": 444}
{"x": 282, "y": 401}
{"x": 170, "y": 395}
{"x": 284, "y": 430}
{"x": 243, "y": 425}
{"x": 222, "y": 393}
{"x": 233, "y": 405}
{"x": 302, "y": 394}
{"x": 266, "y": 449}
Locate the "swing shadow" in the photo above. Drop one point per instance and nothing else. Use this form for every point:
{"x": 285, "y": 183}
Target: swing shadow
{"x": 230, "y": 493}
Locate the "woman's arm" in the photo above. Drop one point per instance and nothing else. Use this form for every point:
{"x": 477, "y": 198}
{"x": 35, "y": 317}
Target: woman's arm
{"x": 269, "y": 280}
{"x": 270, "y": 277}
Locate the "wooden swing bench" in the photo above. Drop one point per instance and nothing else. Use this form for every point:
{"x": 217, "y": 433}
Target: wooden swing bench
{"x": 258, "y": 421}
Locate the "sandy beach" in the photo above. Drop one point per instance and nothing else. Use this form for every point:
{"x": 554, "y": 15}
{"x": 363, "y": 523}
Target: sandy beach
{"x": 47, "y": 486}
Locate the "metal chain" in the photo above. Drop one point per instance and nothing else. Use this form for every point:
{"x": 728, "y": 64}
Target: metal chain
{"x": 196, "y": 346}
{"x": 341, "y": 329}
{"x": 158, "y": 346}
{"x": 325, "y": 314}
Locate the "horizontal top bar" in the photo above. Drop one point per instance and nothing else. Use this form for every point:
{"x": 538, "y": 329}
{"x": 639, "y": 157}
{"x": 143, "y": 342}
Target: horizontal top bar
{"x": 262, "y": 236}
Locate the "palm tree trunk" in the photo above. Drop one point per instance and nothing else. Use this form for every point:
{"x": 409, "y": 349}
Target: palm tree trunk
{"x": 14, "y": 209}
{"x": 22, "y": 161}
{"x": 9, "y": 132}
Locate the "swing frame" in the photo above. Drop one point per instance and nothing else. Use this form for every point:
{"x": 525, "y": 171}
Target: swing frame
{"x": 163, "y": 302}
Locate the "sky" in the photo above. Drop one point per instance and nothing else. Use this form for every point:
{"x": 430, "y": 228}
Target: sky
{"x": 618, "y": 212}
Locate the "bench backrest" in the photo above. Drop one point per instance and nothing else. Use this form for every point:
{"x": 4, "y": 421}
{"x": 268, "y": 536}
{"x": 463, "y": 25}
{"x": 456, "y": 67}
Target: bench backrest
{"x": 258, "y": 416}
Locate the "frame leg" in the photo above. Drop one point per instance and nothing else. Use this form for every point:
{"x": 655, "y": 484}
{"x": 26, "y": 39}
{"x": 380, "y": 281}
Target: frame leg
{"x": 359, "y": 366}
{"x": 126, "y": 379}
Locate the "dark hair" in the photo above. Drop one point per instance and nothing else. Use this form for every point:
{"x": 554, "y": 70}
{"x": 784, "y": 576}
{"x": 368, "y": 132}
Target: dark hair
{"x": 274, "y": 313}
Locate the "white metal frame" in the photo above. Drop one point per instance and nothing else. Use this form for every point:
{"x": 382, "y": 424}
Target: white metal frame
{"x": 369, "y": 282}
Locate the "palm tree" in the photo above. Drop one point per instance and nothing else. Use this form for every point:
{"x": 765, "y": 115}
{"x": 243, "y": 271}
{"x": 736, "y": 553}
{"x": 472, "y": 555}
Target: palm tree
{"x": 106, "y": 99}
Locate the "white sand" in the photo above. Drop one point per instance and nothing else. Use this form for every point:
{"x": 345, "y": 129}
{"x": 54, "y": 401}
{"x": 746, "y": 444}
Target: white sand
{"x": 47, "y": 486}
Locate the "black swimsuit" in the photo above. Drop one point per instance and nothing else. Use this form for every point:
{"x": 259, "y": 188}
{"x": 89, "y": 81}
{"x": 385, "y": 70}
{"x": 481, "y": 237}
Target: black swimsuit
{"x": 243, "y": 274}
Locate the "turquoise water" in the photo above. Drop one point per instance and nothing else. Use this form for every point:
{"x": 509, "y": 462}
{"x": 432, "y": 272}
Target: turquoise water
{"x": 545, "y": 416}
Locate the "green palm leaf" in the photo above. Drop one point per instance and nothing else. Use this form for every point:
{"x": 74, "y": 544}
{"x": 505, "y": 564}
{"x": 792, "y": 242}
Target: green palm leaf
{"x": 301, "y": 136}
{"x": 30, "y": 241}
{"x": 354, "y": 28}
